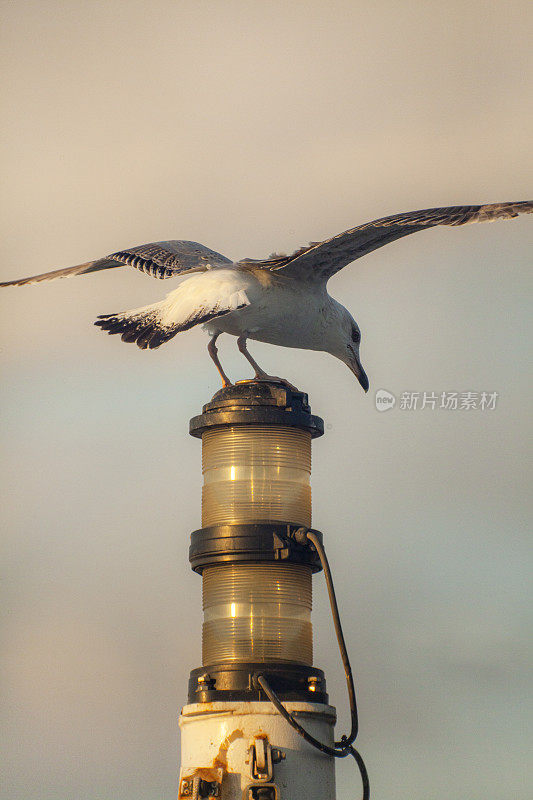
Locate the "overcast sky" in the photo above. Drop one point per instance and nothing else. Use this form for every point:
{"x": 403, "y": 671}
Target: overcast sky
{"x": 254, "y": 127}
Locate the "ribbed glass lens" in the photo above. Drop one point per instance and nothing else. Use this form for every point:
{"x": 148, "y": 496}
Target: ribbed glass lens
{"x": 256, "y": 612}
{"x": 254, "y": 474}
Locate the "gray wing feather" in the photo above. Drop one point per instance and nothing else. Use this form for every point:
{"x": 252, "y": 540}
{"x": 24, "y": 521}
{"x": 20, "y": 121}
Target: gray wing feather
{"x": 158, "y": 259}
{"x": 81, "y": 269}
{"x": 320, "y": 260}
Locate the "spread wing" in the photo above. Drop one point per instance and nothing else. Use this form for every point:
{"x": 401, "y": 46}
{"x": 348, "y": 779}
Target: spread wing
{"x": 320, "y": 260}
{"x": 158, "y": 259}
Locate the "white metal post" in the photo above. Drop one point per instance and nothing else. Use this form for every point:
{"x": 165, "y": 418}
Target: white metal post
{"x": 238, "y": 750}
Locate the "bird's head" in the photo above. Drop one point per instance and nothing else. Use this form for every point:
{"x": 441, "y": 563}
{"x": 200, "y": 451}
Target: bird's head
{"x": 345, "y": 342}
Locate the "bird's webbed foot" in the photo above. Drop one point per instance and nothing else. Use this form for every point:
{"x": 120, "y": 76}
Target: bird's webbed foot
{"x": 262, "y": 376}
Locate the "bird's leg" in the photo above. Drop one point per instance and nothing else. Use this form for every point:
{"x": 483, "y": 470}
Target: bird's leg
{"x": 213, "y": 352}
{"x": 241, "y": 344}
{"x": 260, "y": 374}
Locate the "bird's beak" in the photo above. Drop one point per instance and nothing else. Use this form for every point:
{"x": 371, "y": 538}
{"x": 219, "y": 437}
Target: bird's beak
{"x": 355, "y": 365}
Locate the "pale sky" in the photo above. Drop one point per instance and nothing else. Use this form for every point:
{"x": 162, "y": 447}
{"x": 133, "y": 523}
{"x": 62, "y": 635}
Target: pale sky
{"x": 254, "y": 127}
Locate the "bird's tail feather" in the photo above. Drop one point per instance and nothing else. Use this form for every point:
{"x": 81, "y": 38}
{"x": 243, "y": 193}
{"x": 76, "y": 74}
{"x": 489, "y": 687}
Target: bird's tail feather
{"x": 192, "y": 303}
{"x": 143, "y": 326}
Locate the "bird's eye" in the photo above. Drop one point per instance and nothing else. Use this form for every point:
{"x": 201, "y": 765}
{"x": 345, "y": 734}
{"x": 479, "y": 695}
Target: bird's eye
{"x": 356, "y": 336}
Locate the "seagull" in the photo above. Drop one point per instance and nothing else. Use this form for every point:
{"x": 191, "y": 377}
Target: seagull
{"x": 282, "y": 299}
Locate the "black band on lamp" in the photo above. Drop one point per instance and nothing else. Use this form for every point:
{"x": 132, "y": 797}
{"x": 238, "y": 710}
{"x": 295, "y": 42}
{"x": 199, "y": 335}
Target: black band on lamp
{"x": 257, "y": 403}
{"x": 252, "y": 542}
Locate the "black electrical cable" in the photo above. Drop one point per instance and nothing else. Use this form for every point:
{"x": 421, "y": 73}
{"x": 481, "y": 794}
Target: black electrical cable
{"x": 362, "y": 769}
{"x": 272, "y": 696}
{"x": 324, "y": 748}
{"x": 342, "y": 748}
{"x": 340, "y": 638}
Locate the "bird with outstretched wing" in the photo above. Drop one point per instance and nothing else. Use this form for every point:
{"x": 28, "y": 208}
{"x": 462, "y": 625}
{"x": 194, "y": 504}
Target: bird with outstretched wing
{"x": 282, "y": 300}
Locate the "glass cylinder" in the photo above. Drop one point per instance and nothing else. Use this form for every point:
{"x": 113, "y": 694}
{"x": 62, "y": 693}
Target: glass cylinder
{"x": 258, "y": 613}
{"x": 256, "y": 474}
